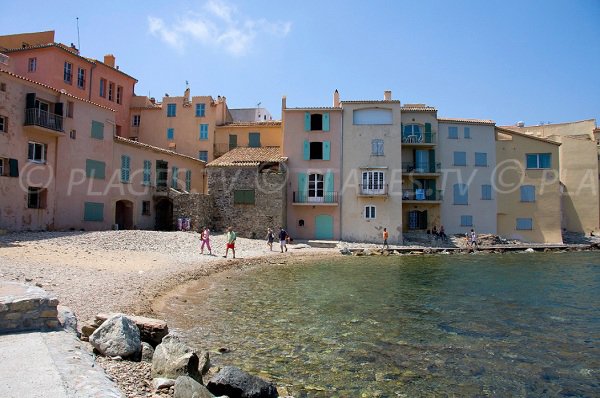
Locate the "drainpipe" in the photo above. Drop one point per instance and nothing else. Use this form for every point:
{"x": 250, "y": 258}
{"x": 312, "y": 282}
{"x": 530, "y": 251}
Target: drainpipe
{"x": 341, "y": 169}
{"x": 91, "y": 76}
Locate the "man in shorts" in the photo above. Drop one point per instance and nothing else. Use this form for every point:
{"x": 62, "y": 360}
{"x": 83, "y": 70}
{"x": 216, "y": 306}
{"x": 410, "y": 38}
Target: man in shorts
{"x": 283, "y": 235}
{"x": 230, "y": 242}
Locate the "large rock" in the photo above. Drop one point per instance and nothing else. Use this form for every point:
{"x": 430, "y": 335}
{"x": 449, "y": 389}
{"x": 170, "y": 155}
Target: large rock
{"x": 186, "y": 387}
{"x": 67, "y": 319}
{"x": 117, "y": 336}
{"x": 172, "y": 359}
{"x": 235, "y": 383}
{"x": 151, "y": 330}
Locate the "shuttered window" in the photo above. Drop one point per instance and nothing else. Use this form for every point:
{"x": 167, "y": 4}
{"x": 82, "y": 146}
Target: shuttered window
{"x": 95, "y": 169}
{"x": 174, "y": 177}
{"x": 188, "y": 180}
{"x": 93, "y": 211}
{"x": 125, "y": 168}
{"x": 243, "y": 196}
{"x": 204, "y": 131}
{"x": 97, "y": 130}
{"x": 147, "y": 172}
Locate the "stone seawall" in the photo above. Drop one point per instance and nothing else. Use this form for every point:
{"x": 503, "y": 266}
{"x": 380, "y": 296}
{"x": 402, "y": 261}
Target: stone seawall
{"x": 26, "y": 308}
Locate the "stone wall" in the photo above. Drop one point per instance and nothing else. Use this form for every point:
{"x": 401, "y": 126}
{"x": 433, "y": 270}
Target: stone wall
{"x": 248, "y": 220}
{"x": 199, "y": 208}
{"x": 25, "y": 308}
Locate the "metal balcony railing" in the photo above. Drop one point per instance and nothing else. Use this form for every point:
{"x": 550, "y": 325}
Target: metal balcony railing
{"x": 373, "y": 189}
{"x": 37, "y": 117}
{"x": 420, "y": 167}
{"x": 304, "y": 197}
{"x": 419, "y": 138}
{"x": 421, "y": 194}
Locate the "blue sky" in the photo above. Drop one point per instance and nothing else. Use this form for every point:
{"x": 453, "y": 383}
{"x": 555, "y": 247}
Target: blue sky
{"x": 535, "y": 61}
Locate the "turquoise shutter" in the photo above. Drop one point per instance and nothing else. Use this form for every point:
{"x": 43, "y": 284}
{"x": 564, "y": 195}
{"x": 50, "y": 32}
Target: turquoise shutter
{"x": 306, "y": 150}
{"x": 326, "y": 121}
{"x": 302, "y": 188}
{"x": 306, "y": 121}
{"x": 428, "y": 127}
{"x": 329, "y": 194}
{"x": 125, "y": 168}
{"x": 432, "y": 161}
{"x": 326, "y": 150}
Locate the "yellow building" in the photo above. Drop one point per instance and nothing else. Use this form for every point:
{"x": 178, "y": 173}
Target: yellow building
{"x": 248, "y": 135}
{"x": 527, "y": 187}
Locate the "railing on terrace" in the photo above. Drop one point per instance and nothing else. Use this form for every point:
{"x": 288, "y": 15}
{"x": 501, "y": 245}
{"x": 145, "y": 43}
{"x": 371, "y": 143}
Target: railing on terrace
{"x": 421, "y": 194}
{"x": 303, "y": 197}
{"x": 419, "y": 138}
{"x": 373, "y": 189}
{"x": 420, "y": 167}
{"x": 37, "y": 117}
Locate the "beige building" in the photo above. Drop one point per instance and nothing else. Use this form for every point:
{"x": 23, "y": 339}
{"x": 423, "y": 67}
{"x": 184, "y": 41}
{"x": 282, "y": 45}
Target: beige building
{"x": 527, "y": 187}
{"x": 247, "y": 134}
{"x": 371, "y": 197}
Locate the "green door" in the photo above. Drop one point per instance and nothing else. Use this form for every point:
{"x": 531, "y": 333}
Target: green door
{"x": 324, "y": 227}
{"x": 232, "y": 141}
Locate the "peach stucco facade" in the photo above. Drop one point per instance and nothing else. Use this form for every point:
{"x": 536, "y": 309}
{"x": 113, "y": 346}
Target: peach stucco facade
{"x": 247, "y": 134}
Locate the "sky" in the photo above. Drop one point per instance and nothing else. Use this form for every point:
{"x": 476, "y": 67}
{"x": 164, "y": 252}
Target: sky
{"x": 535, "y": 61}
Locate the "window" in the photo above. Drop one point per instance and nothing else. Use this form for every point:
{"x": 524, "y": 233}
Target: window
{"x": 147, "y": 173}
{"x": 81, "y": 78}
{"x": 95, "y": 169}
{"x": 68, "y": 72}
{"x": 538, "y": 160}
{"x": 376, "y": 147}
{"x": 467, "y": 132}
{"x": 453, "y": 132}
{"x": 119, "y": 94}
{"x": 174, "y": 177}
{"x": 243, "y": 197}
{"x": 170, "y": 134}
{"x": 373, "y": 183}
{"x": 524, "y": 223}
{"x": 36, "y": 198}
{"x": 316, "y": 121}
{"x": 466, "y": 221}
{"x": 73, "y": 134}
{"x": 3, "y": 124}
{"x": 481, "y": 159}
{"x": 316, "y": 150}
{"x": 486, "y": 192}
{"x": 203, "y": 155}
{"x": 3, "y": 168}
{"x": 527, "y": 193}
{"x": 103, "y": 88}
{"x": 125, "y": 168}
{"x": 417, "y": 219}
{"x": 32, "y": 65}
{"x": 37, "y": 152}
{"x": 461, "y": 194}
{"x": 70, "y": 109}
{"x": 315, "y": 187}
{"x": 372, "y": 116}
{"x": 204, "y": 131}
{"x": 9, "y": 167}
{"x": 135, "y": 122}
{"x": 460, "y": 158}
{"x": 111, "y": 91}
{"x": 254, "y": 140}
{"x": 97, "y": 130}
{"x": 188, "y": 180}
{"x": 200, "y": 110}
{"x": 171, "y": 110}
{"x": 93, "y": 211}
{"x": 370, "y": 212}
{"x": 145, "y": 208}
{"x": 3, "y": 86}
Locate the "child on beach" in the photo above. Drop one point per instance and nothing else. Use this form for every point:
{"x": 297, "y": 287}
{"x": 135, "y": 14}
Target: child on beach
{"x": 230, "y": 242}
{"x": 270, "y": 238}
{"x": 205, "y": 237}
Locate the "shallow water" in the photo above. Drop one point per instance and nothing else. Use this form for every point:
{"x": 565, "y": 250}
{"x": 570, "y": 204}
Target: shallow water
{"x": 456, "y": 326}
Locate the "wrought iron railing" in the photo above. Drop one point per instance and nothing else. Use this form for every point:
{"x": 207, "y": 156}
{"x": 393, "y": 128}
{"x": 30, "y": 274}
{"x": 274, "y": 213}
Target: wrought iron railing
{"x": 421, "y": 194}
{"x": 304, "y": 197}
{"x": 419, "y": 138}
{"x": 373, "y": 189}
{"x": 420, "y": 167}
{"x": 37, "y": 117}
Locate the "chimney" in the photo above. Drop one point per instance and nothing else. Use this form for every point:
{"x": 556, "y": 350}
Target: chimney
{"x": 387, "y": 95}
{"x": 283, "y": 102}
{"x": 109, "y": 60}
{"x": 336, "y": 99}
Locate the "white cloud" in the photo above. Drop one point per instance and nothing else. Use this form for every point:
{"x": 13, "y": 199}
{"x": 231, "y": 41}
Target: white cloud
{"x": 219, "y": 25}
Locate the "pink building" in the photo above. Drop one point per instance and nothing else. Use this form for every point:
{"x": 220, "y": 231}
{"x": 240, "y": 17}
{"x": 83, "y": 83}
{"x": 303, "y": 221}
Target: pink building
{"x": 312, "y": 143}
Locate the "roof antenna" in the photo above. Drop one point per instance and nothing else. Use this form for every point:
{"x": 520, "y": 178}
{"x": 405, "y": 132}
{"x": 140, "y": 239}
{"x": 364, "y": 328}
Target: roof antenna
{"x": 78, "y": 44}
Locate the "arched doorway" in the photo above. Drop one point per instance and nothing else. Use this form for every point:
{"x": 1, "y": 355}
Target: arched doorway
{"x": 164, "y": 215}
{"x": 124, "y": 214}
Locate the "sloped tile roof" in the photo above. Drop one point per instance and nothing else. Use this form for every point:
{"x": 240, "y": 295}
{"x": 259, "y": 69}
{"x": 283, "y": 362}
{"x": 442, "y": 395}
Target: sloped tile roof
{"x": 515, "y": 130}
{"x": 269, "y": 123}
{"x": 249, "y": 157}
{"x": 138, "y": 144}
{"x": 466, "y": 121}
{"x": 417, "y": 108}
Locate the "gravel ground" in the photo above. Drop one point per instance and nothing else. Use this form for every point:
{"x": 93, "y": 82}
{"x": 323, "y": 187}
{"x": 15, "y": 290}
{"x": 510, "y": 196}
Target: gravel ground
{"x": 125, "y": 271}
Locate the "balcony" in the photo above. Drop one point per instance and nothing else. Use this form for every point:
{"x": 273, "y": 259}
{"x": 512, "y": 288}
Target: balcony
{"x": 421, "y": 195}
{"x": 419, "y": 139}
{"x": 44, "y": 119}
{"x": 421, "y": 167}
{"x": 372, "y": 190}
{"x": 303, "y": 198}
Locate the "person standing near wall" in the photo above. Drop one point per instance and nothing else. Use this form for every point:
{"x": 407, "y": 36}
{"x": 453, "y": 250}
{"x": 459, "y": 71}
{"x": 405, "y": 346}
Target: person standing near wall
{"x": 205, "y": 237}
{"x": 231, "y": 236}
{"x": 386, "y": 235}
{"x": 270, "y": 238}
{"x": 283, "y": 235}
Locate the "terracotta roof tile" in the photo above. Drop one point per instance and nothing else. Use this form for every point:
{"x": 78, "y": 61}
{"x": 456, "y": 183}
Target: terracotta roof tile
{"x": 417, "y": 108}
{"x": 249, "y": 157}
{"x": 154, "y": 148}
{"x": 270, "y": 123}
{"x": 514, "y": 130}
{"x": 466, "y": 121}
{"x": 371, "y": 102}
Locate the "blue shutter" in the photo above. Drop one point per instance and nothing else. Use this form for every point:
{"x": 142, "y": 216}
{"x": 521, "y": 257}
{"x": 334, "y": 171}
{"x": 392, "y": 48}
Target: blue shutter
{"x": 97, "y": 130}
{"x": 326, "y": 150}
{"x": 328, "y": 187}
{"x": 302, "y": 187}
{"x": 93, "y": 211}
{"x": 125, "y": 168}
{"x": 326, "y": 121}
{"x": 170, "y": 133}
{"x": 524, "y": 223}
{"x": 461, "y": 195}
{"x": 306, "y": 121}
{"x": 147, "y": 168}
{"x": 306, "y": 150}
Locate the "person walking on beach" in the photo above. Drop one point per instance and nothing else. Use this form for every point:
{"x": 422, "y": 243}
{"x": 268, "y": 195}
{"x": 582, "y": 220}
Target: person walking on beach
{"x": 230, "y": 242}
{"x": 283, "y": 235}
{"x": 205, "y": 237}
{"x": 386, "y": 235}
{"x": 473, "y": 238}
{"x": 270, "y": 238}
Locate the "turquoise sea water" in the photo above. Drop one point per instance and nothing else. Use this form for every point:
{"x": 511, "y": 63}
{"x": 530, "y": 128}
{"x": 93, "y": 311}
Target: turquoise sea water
{"x": 525, "y": 325}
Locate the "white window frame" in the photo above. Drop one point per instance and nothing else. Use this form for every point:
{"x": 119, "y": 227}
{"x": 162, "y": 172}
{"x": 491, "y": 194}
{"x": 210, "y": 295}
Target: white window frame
{"x": 136, "y": 120}
{"x": 68, "y": 72}
{"x": 373, "y": 182}
{"x": 81, "y": 78}
{"x": 35, "y": 145}
{"x": 370, "y": 212}
{"x": 316, "y": 187}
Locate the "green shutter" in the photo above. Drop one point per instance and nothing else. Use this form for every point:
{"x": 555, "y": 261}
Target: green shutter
{"x": 326, "y": 121}
{"x": 97, "y": 130}
{"x": 302, "y": 187}
{"x": 125, "y": 161}
{"x": 328, "y": 187}
{"x": 306, "y": 121}
{"x": 428, "y": 127}
{"x": 147, "y": 167}
{"x": 13, "y": 166}
{"x": 93, "y": 211}
{"x": 174, "y": 177}
{"x": 306, "y": 150}
{"x": 188, "y": 180}
{"x": 326, "y": 150}
{"x": 95, "y": 169}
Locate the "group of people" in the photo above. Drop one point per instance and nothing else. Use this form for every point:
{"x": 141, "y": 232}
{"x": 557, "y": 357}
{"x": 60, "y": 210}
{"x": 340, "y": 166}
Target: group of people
{"x": 441, "y": 234}
{"x": 231, "y": 236}
{"x": 284, "y": 238}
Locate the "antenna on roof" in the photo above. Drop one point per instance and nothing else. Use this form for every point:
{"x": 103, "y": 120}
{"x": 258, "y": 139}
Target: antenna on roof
{"x": 78, "y": 43}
